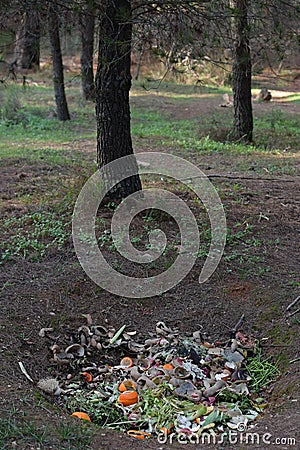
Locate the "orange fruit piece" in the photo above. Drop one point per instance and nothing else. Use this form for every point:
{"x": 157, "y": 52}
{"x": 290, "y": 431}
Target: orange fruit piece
{"x": 138, "y": 434}
{"x": 126, "y": 362}
{"x": 168, "y": 367}
{"x": 81, "y": 415}
{"x": 128, "y": 398}
{"x": 88, "y": 378}
{"x": 127, "y": 385}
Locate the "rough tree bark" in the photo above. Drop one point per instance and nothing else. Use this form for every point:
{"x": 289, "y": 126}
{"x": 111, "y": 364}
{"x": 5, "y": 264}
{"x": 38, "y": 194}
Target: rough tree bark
{"x": 243, "y": 117}
{"x": 31, "y": 41}
{"x": 87, "y": 28}
{"x": 139, "y": 60}
{"x": 58, "y": 72}
{"x": 113, "y": 83}
{"x": 17, "y": 56}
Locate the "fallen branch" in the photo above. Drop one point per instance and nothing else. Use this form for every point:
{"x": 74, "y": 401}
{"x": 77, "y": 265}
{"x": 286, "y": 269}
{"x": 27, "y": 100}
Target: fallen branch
{"x": 237, "y": 325}
{"x": 236, "y": 177}
{"x": 294, "y": 312}
{"x": 294, "y": 360}
{"x": 293, "y": 303}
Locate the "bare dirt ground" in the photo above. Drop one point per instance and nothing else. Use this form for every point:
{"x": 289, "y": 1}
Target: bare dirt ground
{"x": 55, "y": 291}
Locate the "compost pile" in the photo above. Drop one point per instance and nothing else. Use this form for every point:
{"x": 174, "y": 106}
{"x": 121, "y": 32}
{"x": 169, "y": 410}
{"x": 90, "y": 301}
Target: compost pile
{"x": 169, "y": 382}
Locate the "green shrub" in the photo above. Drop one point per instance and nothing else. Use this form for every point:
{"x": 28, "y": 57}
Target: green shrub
{"x": 11, "y": 106}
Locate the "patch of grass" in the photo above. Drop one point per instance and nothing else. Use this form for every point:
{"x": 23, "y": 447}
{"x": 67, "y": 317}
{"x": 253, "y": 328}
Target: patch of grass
{"x": 34, "y": 234}
{"x": 39, "y": 129}
{"x": 74, "y": 436}
{"x": 279, "y": 336}
{"x": 152, "y": 123}
{"x": 211, "y": 136}
{"x": 33, "y": 155}
{"x": 26, "y": 434}
{"x": 277, "y": 129}
{"x": 273, "y": 130}
{"x": 21, "y": 430}
{"x": 181, "y": 133}
{"x": 293, "y": 283}
{"x": 245, "y": 253}
{"x": 28, "y": 120}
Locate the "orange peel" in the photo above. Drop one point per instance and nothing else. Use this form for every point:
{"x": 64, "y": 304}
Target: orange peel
{"x": 81, "y": 415}
{"x": 127, "y": 385}
{"x": 88, "y": 377}
{"x": 128, "y": 398}
{"x": 126, "y": 362}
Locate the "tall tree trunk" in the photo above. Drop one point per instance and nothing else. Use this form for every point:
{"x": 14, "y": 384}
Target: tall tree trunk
{"x": 17, "y": 56}
{"x": 139, "y": 61}
{"x": 58, "y": 71}
{"x": 87, "y": 28}
{"x": 31, "y": 41}
{"x": 113, "y": 83}
{"x": 243, "y": 117}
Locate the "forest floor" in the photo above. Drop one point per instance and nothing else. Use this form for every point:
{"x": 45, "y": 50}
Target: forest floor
{"x": 43, "y": 284}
